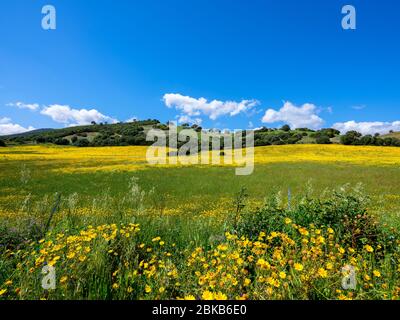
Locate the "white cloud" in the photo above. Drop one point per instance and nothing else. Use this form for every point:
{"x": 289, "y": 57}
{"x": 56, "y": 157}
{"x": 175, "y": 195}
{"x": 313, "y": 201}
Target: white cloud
{"x": 6, "y": 127}
{"x": 5, "y": 120}
{"x": 133, "y": 119}
{"x": 196, "y": 107}
{"x": 22, "y": 105}
{"x": 296, "y": 117}
{"x": 68, "y": 116}
{"x": 186, "y": 119}
{"x": 367, "y": 127}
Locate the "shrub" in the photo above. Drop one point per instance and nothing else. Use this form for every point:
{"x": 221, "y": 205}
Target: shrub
{"x": 62, "y": 142}
{"x": 330, "y": 132}
{"x": 2, "y": 143}
{"x": 82, "y": 143}
{"x": 40, "y": 140}
{"x": 323, "y": 140}
{"x": 351, "y": 137}
{"x": 344, "y": 211}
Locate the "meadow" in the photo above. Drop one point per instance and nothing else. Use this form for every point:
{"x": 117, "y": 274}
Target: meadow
{"x": 115, "y": 227}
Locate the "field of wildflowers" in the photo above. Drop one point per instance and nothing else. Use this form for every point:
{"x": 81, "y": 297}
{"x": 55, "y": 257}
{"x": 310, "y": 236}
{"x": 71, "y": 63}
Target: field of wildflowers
{"x": 112, "y": 228}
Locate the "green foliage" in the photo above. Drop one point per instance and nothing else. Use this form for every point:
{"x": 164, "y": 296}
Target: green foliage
{"x": 345, "y": 211}
{"x": 266, "y": 219}
{"x": 329, "y": 132}
{"x": 82, "y": 143}
{"x": 357, "y": 139}
{"x": 350, "y": 138}
{"x": 110, "y": 134}
{"x": 134, "y": 134}
{"x": 266, "y": 138}
{"x": 322, "y": 139}
{"x": 62, "y": 142}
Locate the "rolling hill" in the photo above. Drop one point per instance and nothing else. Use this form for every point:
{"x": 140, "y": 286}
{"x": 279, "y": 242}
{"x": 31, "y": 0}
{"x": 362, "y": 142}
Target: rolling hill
{"x": 134, "y": 133}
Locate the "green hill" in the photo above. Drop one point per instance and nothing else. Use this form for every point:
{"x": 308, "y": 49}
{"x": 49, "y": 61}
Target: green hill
{"x": 392, "y": 135}
{"x": 132, "y": 133}
{"x": 26, "y": 134}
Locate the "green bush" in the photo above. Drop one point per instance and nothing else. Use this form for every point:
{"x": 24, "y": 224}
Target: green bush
{"x": 82, "y": 143}
{"x": 323, "y": 140}
{"x": 62, "y": 142}
{"x": 344, "y": 211}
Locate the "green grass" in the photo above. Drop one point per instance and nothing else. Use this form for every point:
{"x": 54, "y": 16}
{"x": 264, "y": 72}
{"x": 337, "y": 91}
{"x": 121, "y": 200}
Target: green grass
{"x": 29, "y": 187}
{"x": 213, "y": 183}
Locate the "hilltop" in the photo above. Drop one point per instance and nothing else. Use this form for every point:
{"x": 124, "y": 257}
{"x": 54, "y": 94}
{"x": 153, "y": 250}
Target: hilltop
{"x": 395, "y": 135}
{"x": 134, "y": 133}
{"x": 103, "y": 134}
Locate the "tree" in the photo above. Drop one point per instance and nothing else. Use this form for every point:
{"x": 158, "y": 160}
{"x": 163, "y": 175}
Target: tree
{"x": 82, "y": 143}
{"x": 2, "y": 143}
{"x": 93, "y": 123}
{"x": 40, "y": 140}
{"x": 285, "y": 128}
{"x": 62, "y": 142}
{"x": 330, "y": 132}
{"x": 323, "y": 139}
{"x": 367, "y": 140}
{"x": 351, "y": 138}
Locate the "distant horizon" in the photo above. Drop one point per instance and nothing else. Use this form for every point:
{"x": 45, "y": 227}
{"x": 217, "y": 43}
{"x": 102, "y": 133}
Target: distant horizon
{"x": 190, "y": 125}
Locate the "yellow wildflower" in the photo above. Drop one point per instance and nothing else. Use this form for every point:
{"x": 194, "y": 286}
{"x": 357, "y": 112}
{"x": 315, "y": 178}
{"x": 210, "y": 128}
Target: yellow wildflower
{"x": 207, "y": 295}
{"x": 368, "y": 248}
{"x": 220, "y": 296}
{"x": 298, "y": 267}
{"x": 322, "y": 273}
{"x": 63, "y": 279}
{"x": 376, "y": 273}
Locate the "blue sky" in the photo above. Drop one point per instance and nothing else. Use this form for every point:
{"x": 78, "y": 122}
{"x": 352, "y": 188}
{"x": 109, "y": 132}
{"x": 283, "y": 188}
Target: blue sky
{"x": 114, "y": 60}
